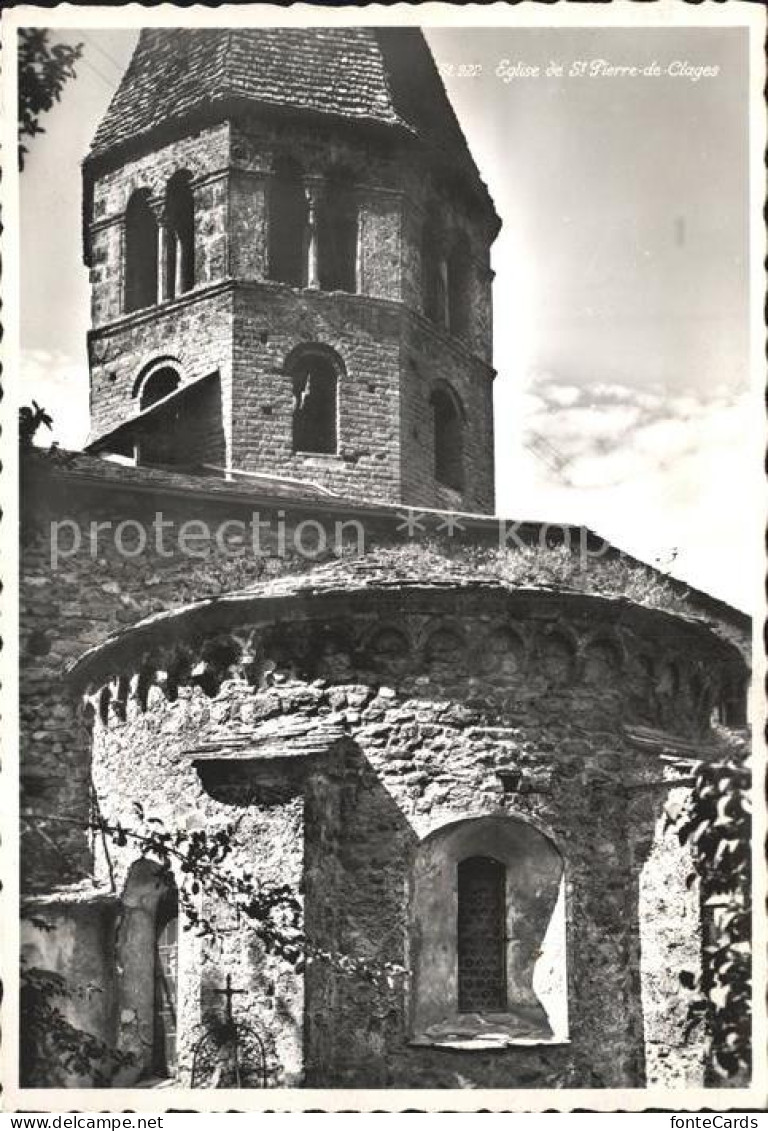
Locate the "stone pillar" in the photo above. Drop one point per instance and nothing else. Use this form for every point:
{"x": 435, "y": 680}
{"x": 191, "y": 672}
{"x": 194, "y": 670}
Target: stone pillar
{"x": 180, "y": 265}
{"x": 442, "y": 312}
{"x": 313, "y": 277}
{"x": 671, "y": 939}
{"x": 162, "y": 274}
{"x": 163, "y": 235}
{"x": 358, "y": 205}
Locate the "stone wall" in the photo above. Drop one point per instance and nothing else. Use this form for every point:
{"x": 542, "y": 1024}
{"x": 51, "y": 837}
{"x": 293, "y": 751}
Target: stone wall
{"x": 72, "y": 936}
{"x": 194, "y": 332}
{"x": 205, "y": 155}
{"x": 344, "y": 737}
{"x": 75, "y": 602}
{"x": 270, "y": 322}
{"x": 402, "y": 708}
{"x": 431, "y": 358}
{"x": 236, "y": 322}
{"x": 95, "y": 589}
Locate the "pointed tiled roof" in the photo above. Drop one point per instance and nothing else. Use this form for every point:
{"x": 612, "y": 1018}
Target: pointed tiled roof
{"x": 380, "y": 76}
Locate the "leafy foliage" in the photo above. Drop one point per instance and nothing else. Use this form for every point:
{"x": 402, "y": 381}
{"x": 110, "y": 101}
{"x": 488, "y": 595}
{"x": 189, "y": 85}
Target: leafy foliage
{"x": 272, "y": 911}
{"x": 51, "y": 1048}
{"x": 30, "y": 419}
{"x": 43, "y": 71}
{"x": 717, "y": 826}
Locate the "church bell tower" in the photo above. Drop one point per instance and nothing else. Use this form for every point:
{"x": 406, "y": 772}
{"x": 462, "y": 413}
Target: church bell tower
{"x": 289, "y": 247}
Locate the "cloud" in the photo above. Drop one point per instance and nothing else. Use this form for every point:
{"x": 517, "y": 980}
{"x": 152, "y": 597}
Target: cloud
{"x": 565, "y": 395}
{"x": 652, "y": 471}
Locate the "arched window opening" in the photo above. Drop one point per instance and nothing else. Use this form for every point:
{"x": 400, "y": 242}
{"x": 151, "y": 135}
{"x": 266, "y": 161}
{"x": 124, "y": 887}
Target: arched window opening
{"x": 147, "y": 972}
{"x": 180, "y": 239}
{"x": 164, "y": 1052}
{"x": 669, "y": 680}
{"x": 315, "y": 394}
{"x": 732, "y": 705}
{"x": 288, "y": 225}
{"x": 481, "y": 935}
{"x": 433, "y": 274}
{"x": 459, "y": 288}
{"x": 488, "y": 934}
{"x": 159, "y": 384}
{"x": 449, "y": 441}
{"x": 337, "y": 222}
{"x": 141, "y": 242}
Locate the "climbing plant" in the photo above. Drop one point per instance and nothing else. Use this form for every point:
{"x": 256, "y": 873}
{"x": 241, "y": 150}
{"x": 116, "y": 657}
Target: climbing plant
{"x": 200, "y": 863}
{"x": 52, "y": 1049}
{"x": 717, "y": 826}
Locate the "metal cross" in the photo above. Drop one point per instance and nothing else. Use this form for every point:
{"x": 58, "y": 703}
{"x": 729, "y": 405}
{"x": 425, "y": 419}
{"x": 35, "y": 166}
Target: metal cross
{"x": 229, "y": 993}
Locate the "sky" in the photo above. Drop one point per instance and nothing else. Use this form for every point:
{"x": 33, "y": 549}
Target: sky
{"x": 621, "y": 299}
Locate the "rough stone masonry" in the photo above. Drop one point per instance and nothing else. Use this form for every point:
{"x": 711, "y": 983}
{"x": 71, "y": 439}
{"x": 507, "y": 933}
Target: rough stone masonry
{"x": 456, "y": 748}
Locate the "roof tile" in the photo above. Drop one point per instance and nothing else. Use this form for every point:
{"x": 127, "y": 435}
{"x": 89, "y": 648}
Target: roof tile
{"x": 383, "y": 76}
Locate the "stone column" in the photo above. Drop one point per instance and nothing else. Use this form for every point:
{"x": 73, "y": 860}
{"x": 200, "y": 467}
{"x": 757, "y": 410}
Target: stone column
{"x": 312, "y": 191}
{"x": 443, "y": 315}
{"x": 162, "y": 256}
{"x": 358, "y": 205}
{"x": 158, "y": 209}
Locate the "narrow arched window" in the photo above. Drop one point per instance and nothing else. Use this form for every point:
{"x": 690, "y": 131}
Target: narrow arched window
{"x": 288, "y": 225}
{"x": 337, "y": 235}
{"x": 433, "y": 274}
{"x": 487, "y": 923}
{"x": 459, "y": 288}
{"x": 166, "y": 984}
{"x": 160, "y": 383}
{"x": 146, "y": 961}
{"x": 180, "y": 239}
{"x": 140, "y": 253}
{"x": 448, "y": 440}
{"x": 315, "y": 397}
{"x": 481, "y": 935}
{"x": 732, "y": 705}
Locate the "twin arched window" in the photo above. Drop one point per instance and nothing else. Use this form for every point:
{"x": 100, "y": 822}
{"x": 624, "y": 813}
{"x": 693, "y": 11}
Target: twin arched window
{"x": 159, "y": 259}
{"x": 312, "y": 238}
{"x": 141, "y": 253}
{"x": 433, "y": 270}
{"x": 180, "y": 236}
{"x": 288, "y": 225}
{"x": 459, "y": 272}
{"x": 337, "y": 234}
